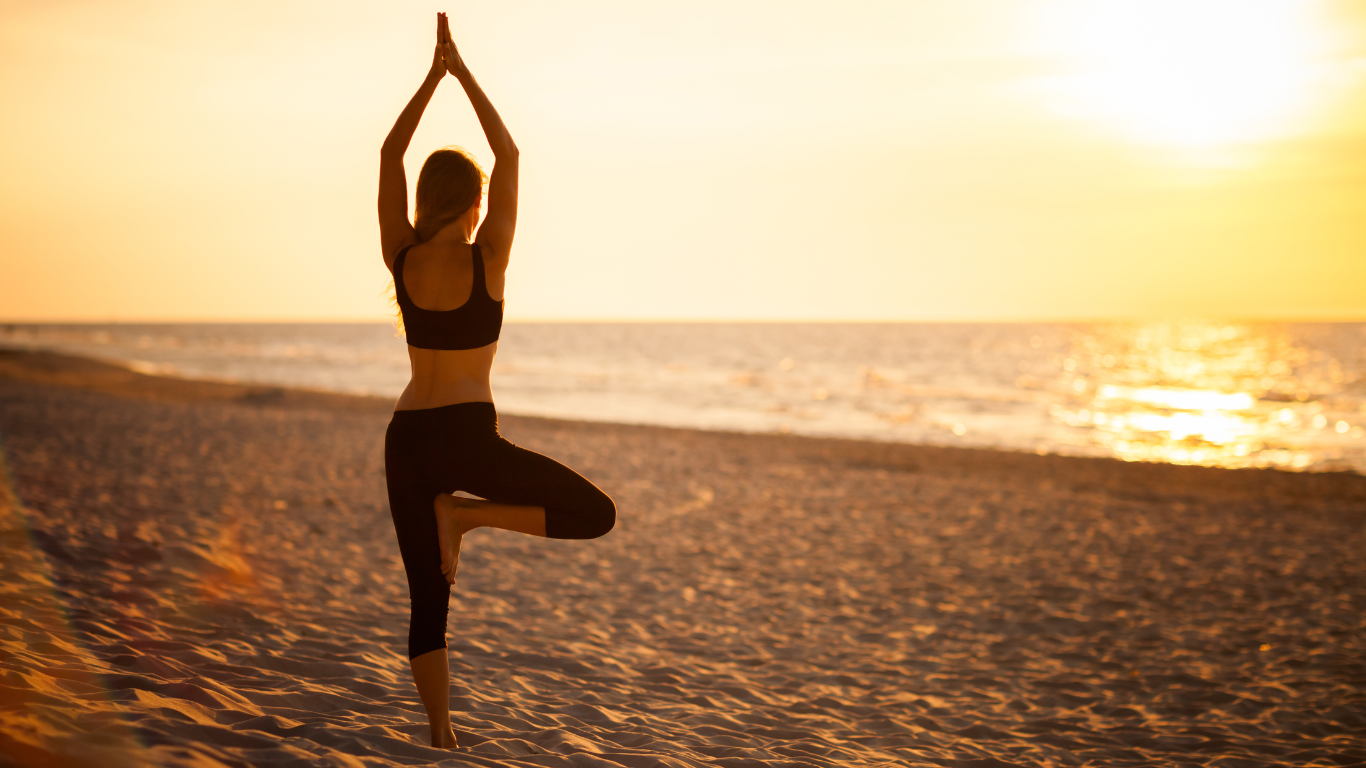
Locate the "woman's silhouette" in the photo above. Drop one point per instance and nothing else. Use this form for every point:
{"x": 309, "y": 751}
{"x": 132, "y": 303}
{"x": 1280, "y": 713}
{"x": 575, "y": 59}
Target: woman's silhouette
{"x": 448, "y": 273}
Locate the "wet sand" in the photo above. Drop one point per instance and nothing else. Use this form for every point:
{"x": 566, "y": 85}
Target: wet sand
{"x": 198, "y": 574}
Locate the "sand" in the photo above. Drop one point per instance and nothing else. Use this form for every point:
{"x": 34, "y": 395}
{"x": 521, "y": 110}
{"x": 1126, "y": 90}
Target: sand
{"x": 198, "y": 574}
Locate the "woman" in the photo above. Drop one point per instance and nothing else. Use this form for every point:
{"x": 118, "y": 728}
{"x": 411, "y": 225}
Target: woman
{"x": 448, "y": 273}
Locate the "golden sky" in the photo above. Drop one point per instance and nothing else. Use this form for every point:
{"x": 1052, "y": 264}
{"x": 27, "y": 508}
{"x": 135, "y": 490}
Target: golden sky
{"x": 915, "y": 160}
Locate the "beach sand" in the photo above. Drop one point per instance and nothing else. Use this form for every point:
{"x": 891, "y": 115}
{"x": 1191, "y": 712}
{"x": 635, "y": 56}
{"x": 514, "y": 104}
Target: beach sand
{"x": 198, "y": 574}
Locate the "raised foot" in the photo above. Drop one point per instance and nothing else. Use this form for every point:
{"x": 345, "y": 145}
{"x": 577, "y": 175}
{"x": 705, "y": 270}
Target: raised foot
{"x": 451, "y": 527}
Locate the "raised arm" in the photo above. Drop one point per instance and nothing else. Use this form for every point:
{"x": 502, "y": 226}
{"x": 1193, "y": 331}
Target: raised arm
{"x": 395, "y": 231}
{"x": 495, "y": 233}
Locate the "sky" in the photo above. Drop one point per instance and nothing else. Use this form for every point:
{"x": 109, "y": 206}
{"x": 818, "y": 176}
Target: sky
{"x": 920, "y": 160}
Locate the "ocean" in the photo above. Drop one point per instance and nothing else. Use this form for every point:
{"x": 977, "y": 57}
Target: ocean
{"x": 1288, "y": 395}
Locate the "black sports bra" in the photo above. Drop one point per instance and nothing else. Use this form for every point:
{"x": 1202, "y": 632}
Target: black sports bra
{"x": 472, "y": 325}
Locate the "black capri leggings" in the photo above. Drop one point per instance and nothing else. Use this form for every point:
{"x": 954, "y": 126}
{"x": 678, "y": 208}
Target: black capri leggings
{"x": 457, "y": 448}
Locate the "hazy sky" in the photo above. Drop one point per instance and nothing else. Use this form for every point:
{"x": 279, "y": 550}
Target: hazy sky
{"x": 912, "y": 160}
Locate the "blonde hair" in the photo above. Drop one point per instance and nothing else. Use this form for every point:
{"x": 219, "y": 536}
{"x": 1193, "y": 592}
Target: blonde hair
{"x": 450, "y": 183}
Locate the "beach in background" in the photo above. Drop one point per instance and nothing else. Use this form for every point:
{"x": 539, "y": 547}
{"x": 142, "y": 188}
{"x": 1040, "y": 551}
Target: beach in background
{"x": 1287, "y": 395}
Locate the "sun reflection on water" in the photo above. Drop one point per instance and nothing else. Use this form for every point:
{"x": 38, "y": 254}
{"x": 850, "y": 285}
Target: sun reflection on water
{"x": 1207, "y": 393}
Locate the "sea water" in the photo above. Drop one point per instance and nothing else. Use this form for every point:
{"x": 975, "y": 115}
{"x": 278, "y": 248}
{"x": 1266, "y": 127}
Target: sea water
{"x": 1189, "y": 392}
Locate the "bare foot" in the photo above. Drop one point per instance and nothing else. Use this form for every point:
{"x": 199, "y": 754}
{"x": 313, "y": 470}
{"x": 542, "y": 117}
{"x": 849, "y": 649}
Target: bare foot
{"x": 444, "y": 741}
{"x": 451, "y": 528}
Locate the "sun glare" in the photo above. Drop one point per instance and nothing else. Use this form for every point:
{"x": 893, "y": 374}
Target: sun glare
{"x": 1193, "y": 392}
{"x": 1187, "y": 73}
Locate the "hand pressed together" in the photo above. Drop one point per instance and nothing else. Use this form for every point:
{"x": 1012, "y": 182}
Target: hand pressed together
{"x": 445, "y": 59}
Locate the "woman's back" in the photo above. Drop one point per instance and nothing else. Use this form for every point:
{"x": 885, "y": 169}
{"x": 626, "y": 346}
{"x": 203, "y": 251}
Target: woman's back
{"x": 440, "y": 275}
{"x": 449, "y": 300}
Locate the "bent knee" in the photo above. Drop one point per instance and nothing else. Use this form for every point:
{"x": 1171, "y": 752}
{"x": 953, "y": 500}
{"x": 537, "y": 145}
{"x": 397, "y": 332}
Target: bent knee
{"x": 590, "y": 519}
{"x": 602, "y": 519}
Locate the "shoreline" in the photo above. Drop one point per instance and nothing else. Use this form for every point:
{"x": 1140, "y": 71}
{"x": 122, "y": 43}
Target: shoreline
{"x": 919, "y": 385}
{"x": 109, "y": 377}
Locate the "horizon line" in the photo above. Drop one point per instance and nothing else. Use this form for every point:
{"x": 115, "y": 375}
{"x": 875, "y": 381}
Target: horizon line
{"x": 1286, "y": 318}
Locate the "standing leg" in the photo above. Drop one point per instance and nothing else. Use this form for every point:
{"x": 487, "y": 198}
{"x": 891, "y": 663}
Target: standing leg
{"x": 410, "y": 505}
{"x": 432, "y": 674}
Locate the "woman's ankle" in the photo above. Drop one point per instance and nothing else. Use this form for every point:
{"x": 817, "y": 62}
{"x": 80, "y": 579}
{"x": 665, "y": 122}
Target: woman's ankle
{"x": 443, "y": 739}
{"x": 460, "y": 509}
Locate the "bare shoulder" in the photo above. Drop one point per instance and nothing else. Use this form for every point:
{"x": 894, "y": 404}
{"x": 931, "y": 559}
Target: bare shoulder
{"x": 391, "y": 248}
{"x": 495, "y": 258}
